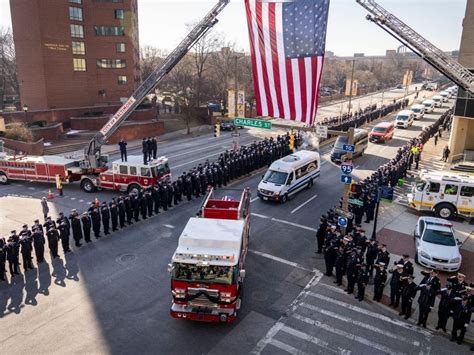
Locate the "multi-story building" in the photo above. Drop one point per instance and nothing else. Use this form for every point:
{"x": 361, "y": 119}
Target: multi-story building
{"x": 75, "y": 53}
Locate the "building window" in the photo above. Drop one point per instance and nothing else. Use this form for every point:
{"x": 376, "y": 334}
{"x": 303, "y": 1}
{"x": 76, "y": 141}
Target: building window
{"x": 75, "y": 13}
{"x": 76, "y": 2}
{"x": 77, "y": 31}
{"x": 78, "y": 48}
{"x": 79, "y": 64}
{"x": 109, "y": 30}
{"x": 122, "y": 80}
{"x": 114, "y": 1}
{"x": 119, "y": 14}
{"x": 120, "y": 47}
{"x": 111, "y": 63}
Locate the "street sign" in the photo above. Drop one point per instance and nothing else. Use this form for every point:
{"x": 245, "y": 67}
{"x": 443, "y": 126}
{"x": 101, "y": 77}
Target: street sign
{"x": 349, "y": 148}
{"x": 252, "y": 122}
{"x": 346, "y": 179}
{"x": 343, "y": 213}
{"x": 346, "y": 168}
{"x": 342, "y": 222}
{"x": 235, "y": 134}
{"x": 354, "y": 201}
{"x": 386, "y": 193}
{"x": 322, "y": 131}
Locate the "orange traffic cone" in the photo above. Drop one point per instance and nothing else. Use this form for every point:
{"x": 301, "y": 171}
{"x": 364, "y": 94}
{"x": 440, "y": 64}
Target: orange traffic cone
{"x": 50, "y": 195}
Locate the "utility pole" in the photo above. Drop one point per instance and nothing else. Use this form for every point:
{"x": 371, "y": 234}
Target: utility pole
{"x": 352, "y": 83}
{"x": 347, "y": 187}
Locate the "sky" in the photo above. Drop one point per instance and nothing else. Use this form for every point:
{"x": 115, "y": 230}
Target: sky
{"x": 162, "y": 24}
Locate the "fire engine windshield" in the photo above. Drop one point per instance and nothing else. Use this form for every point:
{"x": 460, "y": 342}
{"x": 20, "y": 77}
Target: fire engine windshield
{"x": 204, "y": 274}
{"x": 160, "y": 170}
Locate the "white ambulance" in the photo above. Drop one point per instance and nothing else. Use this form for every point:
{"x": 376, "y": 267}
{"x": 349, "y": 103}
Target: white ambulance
{"x": 446, "y": 195}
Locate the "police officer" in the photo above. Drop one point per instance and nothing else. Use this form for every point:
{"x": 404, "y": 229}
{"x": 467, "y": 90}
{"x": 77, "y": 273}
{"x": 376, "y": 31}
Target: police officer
{"x": 128, "y": 209}
{"x": 37, "y": 224}
{"x": 114, "y": 214}
{"x": 353, "y": 262}
{"x": 321, "y": 233}
{"x": 426, "y": 301}
{"x": 396, "y": 285}
{"x": 95, "y": 217}
{"x": 175, "y": 193}
{"x": 38, "y": 244}
{"x": 76, "y": 227}
{"x": 155, "y": 194}
{"x": 408, "y": 293}
{"x": 64, "y": 233}
{"x": 105, "y": 214}
{"x": 143, "y": 205}
{"x": 149, "y": 202}
{"x": 12, "y": 255}
{"x": 121, "y": 212}
{"x": 188, "y": 187}
{"x": 53, "y": 237}
{"x": 407, "y": 264}
{"x": 461, "y": 318}
{"x": 445, "y": 306}
{"x": 3, "y": 258}
{"x": 371, "y": 255}
{"x": 86, "y": 226}
{"x": 49, "y": 223}
{"x": 164, "y": 196}
{"x": 379, "y": 281}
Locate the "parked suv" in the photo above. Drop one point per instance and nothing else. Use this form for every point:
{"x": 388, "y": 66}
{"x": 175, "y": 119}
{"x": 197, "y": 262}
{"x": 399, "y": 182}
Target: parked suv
{"x": 382, "y": 132}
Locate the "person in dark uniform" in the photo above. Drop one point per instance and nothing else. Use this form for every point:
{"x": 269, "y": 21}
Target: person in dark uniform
{"x": 149, "y": 146}
{"x": 407, "y": 264}
{"x": 121, "y": 212}
{"x": 179, "y": 185}
{"x": 371, "y": 255}
{"x": 95, "y": 217}
{"x": 26, "y": 249}
{"x": 38, "y": 244}
{"x": 12, "y": 255}
{"x": 76, "y": 227}
{"x": 461, "y": 318}
{"x": 149, "y": 202}
{"x": 321, "y": 233}
{"x": 379, "y": 281}
{"x": 123, "y": 149}
{"x": 53, "y": 237}
{"x": 362, "y": 281}
{"x": 426, "y": 302}
{"x": 175, "y": 193}
{"x": 145, "y": 151}
{"x": 105, "y": 214}
{"x": 37, "y": 224}
{"x": 129, "y": 208}
{"x": 155, "y": 194}
{"x": 113, "y": 214}
{"x": 353, "y": 262}
{"x": 188, "y": 187}
{"x": 203, "y": 182}
{"x": 154, "y": 147}
{"x": 341, "y": 262}
{"x": 86, "y": 226}
{"x": 164, "y": 196}
{"x": 64, "y": 233}
{"x": 3, "y": 258}
{"x": 396, "y": 285}
{"x": 170, "y": 194}
{"x": 445, "y": 307}
{"x": 49, "y": 223}
{"x": 330, "y": 250}
{"x": 432, "y": 278}
{"x": 409, "y": 290}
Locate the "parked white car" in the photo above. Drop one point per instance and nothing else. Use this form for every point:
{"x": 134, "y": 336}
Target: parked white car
{"x": 418, "y": 110}
{"x": 436, "y": 244}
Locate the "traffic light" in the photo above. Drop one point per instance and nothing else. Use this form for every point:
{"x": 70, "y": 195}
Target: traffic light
{"x": 356, "y": 188}
{"x": 292, "y": 142}
{"x": 217, "y": 130}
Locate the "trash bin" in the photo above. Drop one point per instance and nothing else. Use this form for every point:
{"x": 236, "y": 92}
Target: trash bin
{"x": 401, "y": 182}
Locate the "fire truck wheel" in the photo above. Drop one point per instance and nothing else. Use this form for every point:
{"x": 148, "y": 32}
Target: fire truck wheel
{"x": 3, "y": 179}
{"x": 310, "y": 184}
{"x": 444, "y": 211}
{"x": 134, "y": 188}
{"x": 87, "y": 185}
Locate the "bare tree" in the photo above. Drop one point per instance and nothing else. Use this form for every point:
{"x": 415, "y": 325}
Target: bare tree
{"x": 150, "y": 59}
{"x": 8, "y": 70}
{"x": 222, "y": 63}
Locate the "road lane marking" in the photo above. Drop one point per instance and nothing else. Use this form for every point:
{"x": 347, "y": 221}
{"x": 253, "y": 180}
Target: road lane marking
{"x": 304, "y": 203}
{"x": 168, "y": 226}
{"x": 260, "y": 215}
{"x": 285, "y": 347}
{"x": 321, "y": 343}
{"x": 280, "y": 260}
{"x": 369, "y": 313}
{"x": 284, "y": 222}
{"x": 344, "y": 334}
{"x": 73, "y": 198}
{"x": 254, "y": 199}
{"x": 195, "y": 160}
{"x": 359, "y": 324}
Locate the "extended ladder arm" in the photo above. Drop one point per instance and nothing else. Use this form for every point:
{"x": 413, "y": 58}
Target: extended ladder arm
{"x": 92, "y": 151}
{"x": 419, "y": 45}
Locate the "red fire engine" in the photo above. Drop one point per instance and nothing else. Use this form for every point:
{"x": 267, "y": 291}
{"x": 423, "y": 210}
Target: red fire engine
{"x": 92, "y": 171}
{"x": 207, "y": 269}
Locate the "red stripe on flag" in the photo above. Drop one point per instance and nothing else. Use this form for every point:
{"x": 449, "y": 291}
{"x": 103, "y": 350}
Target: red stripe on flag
{"x": 304, "y": 102}
{"x": 314, "y": 73}
{"x": 275, "y": 54}
{"x": 254, "y": 60}
{"x": 289, "y": 84}
{"x": 261, "y": 42}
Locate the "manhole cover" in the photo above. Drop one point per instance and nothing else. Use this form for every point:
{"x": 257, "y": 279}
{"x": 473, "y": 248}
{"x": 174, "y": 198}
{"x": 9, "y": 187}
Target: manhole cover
{"x": 126, "y": 258}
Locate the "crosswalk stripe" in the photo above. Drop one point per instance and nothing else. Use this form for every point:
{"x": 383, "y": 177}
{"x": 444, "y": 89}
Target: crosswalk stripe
{"x": 285, "y": 347}
{"x": 357, "y": 323}
{"x": 344, "y": 334}
{"x": 312, "y": 339}
{"x": 369, "y": 313}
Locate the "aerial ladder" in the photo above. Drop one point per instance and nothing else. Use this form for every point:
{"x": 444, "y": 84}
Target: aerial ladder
{"x": 419, "y": 45}
{"x": 93, "y": 159}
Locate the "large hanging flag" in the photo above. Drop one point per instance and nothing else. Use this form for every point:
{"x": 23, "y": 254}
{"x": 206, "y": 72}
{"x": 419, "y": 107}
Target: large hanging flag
{"x": 287, "y": 43}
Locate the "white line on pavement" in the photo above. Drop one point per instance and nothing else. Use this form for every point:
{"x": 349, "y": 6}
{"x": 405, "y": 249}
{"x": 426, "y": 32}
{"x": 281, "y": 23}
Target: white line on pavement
{"x": 312, "y": 339}
{"x": 280, "y": 260}
{"x": 73, "y": 198}
{"x": 254, "y": 199}
{"x": 294, "y": 224}
{"x": 168, "y": 226}
{"x": 345, "y": 334}
{"x": 358, "y": 324}
{"x": 259, "y": 215}
{"x": 195, "y": 160}
{"x": 304, "y": 203}
{"x": 285, "y": 347}
{"x": 369, "y": 313}
{"x": 81, "y": 200}
{"x": 357, "y": 167}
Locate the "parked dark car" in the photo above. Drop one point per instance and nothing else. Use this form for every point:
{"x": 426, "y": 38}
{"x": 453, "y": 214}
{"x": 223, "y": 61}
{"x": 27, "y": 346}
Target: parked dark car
{"x": 227, "y": 126}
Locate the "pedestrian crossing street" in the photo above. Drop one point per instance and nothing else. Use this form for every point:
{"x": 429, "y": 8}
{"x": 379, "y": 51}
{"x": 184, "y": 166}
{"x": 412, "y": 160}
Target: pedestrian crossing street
{"x": 325, "y": 320}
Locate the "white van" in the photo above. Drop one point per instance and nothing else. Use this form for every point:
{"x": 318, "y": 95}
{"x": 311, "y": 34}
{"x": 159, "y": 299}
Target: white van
{"x": 429, "y": 105}
{"x": 418, "y": 110}
{"x": 288, "y": 175}
{"x": 446, "y": 95}
{"x": 404, "y": 119}
{"x": 438, "y": 100}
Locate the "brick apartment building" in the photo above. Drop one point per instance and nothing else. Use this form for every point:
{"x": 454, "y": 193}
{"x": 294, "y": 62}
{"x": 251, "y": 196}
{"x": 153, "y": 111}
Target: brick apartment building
{"x": 75, "y": 53}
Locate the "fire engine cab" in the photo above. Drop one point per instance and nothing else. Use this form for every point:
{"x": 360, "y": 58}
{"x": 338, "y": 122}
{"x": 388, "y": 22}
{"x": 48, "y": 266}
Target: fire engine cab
{"x": 128, "y": 176}
{"x": 446, "y": 195}
{"x": 207, "y": 269}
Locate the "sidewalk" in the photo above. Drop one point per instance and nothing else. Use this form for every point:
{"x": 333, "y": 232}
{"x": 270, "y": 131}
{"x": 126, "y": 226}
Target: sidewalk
{"x": 395, "y": 226}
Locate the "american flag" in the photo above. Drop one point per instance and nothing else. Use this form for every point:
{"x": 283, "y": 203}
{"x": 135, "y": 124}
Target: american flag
{"x": 287, "y": 43}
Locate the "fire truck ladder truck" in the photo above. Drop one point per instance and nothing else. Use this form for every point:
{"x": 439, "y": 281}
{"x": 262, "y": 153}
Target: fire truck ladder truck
{"x": 93, "y": 159}
{"x": 419, "y": 45}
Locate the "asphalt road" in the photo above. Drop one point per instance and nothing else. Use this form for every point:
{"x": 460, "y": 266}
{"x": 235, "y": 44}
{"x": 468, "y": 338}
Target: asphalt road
{"x": 113, "y": 296}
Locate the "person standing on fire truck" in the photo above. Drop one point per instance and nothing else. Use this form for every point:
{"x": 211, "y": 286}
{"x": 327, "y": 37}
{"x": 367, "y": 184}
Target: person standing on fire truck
{"x": 123, "y": 149}
{"x": 145, "y": 151}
